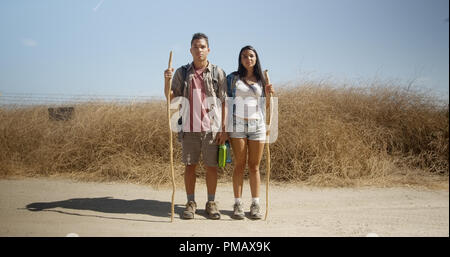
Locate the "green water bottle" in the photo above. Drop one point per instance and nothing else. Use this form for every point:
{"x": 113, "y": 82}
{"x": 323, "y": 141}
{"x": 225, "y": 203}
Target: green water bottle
{"x": 222, "y": 155}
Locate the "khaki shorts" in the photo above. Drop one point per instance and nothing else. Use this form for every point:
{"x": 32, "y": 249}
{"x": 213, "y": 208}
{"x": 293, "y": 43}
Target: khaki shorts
{"x": 194, "y": 143}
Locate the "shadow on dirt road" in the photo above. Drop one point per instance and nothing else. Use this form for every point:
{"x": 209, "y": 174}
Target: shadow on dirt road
{"x": 109, "y": 205}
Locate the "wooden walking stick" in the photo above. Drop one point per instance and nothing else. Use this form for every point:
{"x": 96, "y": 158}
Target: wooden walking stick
{"x": 170, "y": 139}
{"x": 269, "y": 118}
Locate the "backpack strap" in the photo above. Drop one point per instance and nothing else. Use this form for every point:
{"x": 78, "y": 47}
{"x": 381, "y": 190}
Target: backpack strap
{"x": 214, "y": 72}
{"x": 215, "y": 75}
{"x": 231, "y": 84}
{"x": 184, "y": 69}
{"x": 231, "y": 92}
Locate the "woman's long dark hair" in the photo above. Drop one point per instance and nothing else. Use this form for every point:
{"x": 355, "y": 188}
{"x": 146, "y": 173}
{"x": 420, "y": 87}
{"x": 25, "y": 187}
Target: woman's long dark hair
{"x": 242, "y": 71}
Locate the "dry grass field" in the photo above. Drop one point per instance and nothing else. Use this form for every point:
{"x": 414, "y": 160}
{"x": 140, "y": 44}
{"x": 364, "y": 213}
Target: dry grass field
{"x": 327, "y": 136}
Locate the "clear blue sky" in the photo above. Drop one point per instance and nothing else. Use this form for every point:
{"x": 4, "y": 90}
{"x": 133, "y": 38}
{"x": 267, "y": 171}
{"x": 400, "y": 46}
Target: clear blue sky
{"x": 121, "y": 47}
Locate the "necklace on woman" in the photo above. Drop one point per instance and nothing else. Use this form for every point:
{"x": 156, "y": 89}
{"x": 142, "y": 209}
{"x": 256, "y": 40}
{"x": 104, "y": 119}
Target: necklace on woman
{"x": 250, "y": 82}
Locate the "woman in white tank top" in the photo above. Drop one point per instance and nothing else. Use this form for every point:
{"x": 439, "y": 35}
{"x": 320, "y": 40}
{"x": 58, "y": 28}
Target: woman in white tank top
{"x": 249, "y": 131}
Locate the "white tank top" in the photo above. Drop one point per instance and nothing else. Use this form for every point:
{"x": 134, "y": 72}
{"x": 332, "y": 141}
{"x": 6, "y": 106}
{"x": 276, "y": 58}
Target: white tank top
{"x": 247, "y": 99}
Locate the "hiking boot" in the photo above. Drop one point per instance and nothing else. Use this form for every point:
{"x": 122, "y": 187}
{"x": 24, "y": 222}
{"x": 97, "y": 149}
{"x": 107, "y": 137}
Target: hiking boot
{"x": 189, "y": 212}
{"x": 238, "y": 213}
{"x": 255, "y": 211}
{"x": 212, "y": 211}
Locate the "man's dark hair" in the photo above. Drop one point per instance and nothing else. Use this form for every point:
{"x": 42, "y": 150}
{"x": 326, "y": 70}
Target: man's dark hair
{"x": 199, "y": 36}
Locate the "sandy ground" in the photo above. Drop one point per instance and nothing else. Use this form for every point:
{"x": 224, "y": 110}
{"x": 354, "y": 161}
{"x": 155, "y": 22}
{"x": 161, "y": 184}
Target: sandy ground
{"x": 57, "y": 207}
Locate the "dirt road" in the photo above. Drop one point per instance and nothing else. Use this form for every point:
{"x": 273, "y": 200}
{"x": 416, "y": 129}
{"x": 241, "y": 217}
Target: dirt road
{"x": 57, "y": 207}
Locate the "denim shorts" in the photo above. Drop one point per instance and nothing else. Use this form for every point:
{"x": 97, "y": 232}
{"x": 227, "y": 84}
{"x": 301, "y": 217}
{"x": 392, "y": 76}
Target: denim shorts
{"x": 250, "y": 129}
